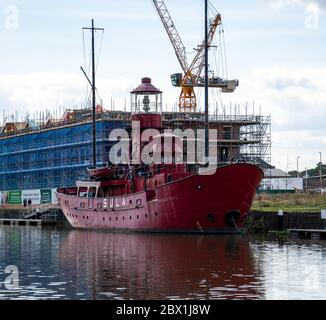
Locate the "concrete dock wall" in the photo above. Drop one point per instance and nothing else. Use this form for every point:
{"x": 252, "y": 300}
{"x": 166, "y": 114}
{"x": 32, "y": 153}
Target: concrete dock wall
{"x": 302, "y": 220}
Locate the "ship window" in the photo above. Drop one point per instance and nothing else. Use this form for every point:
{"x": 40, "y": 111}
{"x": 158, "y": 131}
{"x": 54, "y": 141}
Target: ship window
{"x": 82, "y": 191}
{"x": 87, "y": 217}
{"x": 156, "y": 213}
{"x": 92, "y": 192}
{"x": 146, "y": 215}
{"x": 101, "y": 193}
{"x": 110, "y": 218}
{"x": 130, "y": 217}
{"x": 116, "y": 218}
{"x": 82, "y": 205}
{"x": 137, "y": 217}
{"x": 99, "y": 205}
{"x": 103, "y": 219}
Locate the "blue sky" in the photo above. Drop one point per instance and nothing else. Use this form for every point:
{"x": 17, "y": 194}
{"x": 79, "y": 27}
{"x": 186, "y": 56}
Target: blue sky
{"x": 279, "y": 61}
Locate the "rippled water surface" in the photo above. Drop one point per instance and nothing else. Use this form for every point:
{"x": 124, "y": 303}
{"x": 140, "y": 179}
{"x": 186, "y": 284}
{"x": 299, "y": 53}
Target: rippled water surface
{"x": 69, "y": 264}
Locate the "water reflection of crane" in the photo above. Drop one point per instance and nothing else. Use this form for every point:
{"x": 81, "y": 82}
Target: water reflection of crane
{"x": 191, "y": 76}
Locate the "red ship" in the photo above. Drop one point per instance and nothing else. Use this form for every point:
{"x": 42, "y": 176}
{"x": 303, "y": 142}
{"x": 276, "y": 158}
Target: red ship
{"x": 161, "y": 197}
{"x": 215, "y": 203}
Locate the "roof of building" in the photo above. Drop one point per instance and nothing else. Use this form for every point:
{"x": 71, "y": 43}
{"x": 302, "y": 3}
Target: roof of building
{"x": 275, "y": 173}
{"x": 14, "y": 126}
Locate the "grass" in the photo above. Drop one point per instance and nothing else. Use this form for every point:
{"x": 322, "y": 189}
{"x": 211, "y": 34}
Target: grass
{"x": 298, "y": 202}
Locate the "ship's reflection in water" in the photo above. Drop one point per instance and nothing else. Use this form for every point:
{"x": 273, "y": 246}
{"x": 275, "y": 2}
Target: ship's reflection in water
{"x": 143, "y": 266}
{"x": 60, "y": 264}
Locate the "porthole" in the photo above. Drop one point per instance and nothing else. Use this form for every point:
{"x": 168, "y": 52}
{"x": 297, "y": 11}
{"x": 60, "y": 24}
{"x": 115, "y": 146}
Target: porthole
{"x": 211, "y": 217}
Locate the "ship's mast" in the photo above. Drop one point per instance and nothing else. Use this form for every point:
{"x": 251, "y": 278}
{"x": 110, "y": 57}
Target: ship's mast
{"x": 206, "y": 84}
{"x": 93, "y": 85}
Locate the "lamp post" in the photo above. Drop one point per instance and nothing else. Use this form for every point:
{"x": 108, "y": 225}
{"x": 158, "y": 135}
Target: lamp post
{"x": 298, "y": 157}
{"x": 320, "y": 172}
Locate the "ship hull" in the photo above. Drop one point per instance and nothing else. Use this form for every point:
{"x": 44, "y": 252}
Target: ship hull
{"x": 214, "y": 203}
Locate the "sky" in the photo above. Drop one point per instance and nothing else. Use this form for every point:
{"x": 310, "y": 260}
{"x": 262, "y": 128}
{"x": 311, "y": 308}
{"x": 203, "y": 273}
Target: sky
{"x": 276, "y": 48}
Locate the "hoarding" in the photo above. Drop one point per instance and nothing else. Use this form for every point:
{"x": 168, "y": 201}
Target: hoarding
{"x": 54, "y": 197}
{"x": 15, "y": 197}
{"x": 33, "y": 195}
{"x": 46, "y": 196}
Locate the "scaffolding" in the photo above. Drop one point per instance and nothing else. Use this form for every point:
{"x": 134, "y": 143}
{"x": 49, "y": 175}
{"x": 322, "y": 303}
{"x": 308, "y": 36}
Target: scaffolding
{"x": 257, "y": 138}
{"x": 242, "y": 137}
{"x": 53, "y": 154}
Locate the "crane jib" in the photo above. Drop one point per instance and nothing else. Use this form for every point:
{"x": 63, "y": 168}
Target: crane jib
{"x": 191, "y": 76}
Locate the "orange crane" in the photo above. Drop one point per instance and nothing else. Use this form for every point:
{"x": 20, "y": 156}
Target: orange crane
{"x": 191, "y": 76}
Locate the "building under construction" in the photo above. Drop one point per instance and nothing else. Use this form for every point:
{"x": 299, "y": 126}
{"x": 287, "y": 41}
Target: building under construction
{"x": 54, "y": 153}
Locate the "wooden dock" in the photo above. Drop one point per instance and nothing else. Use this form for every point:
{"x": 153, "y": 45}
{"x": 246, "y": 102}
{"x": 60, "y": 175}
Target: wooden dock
{"x": 313, "y": 234}
{"x": 21, "y": 222}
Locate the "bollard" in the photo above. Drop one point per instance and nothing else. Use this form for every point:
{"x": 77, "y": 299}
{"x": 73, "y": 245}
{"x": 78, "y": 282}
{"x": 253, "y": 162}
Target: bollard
{"x": 280, "y": 216}
{"x": 323, "y": 217}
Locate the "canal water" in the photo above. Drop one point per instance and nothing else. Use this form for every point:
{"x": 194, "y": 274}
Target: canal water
{"x": 70, "y": 264}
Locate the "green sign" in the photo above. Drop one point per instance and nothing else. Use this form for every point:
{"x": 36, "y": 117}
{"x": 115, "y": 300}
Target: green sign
{"x": 46, "y": 196}
{"x": 15, "y": 197}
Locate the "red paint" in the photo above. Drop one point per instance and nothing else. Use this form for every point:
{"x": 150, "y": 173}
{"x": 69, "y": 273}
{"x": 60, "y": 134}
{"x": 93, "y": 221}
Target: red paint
{"x": 146, "y": 87}
{"x": 148, "y": 121}
{"x": 194, "y": 203}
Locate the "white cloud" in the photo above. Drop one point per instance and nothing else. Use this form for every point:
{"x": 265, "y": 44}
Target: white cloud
{"x": 45, "y": 90}
{"x": 295, "y": 98}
